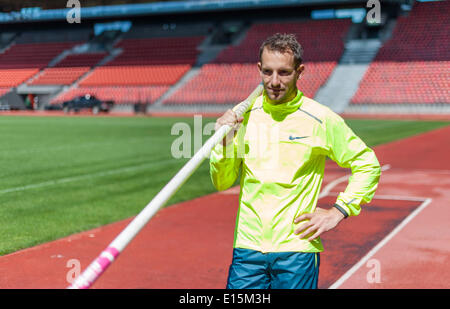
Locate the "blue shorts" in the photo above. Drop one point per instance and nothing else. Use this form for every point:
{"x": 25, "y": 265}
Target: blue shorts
{"x": 252, "y": 269}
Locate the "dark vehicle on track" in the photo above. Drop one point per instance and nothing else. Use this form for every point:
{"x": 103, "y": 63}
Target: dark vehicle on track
{"x": 87, "y": 101}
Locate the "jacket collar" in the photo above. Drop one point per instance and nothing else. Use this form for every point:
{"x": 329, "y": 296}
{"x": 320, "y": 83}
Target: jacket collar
{"x": 280, "y": 111}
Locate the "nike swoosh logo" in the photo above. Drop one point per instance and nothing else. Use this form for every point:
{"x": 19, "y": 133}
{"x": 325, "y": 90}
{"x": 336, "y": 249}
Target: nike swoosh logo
{"x": 296, "y": 137}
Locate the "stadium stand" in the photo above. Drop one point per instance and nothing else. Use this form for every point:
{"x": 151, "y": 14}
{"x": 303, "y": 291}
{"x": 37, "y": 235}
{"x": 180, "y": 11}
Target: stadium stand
{"x": 135, "y": 75}
{"x": 59, "y": 76}
{"x": 14, "y": 77}
{"x": 412, "y": 67}
{"x": 70, "y": 69}
{"x": 235, "y": 67}
{"x": 81, "y": 60}
{"x": 32, "y": 55}
{"x": 118, "y": 94}
{"x": 202, "y": 64}
{"x": 155, "y": 61}
{"x": 142, "y": 72}
{"x": 33, "y": 51}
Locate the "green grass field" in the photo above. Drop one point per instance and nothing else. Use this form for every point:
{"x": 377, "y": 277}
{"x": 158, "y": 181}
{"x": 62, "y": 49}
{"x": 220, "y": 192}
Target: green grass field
{"x": 63, "y": 175}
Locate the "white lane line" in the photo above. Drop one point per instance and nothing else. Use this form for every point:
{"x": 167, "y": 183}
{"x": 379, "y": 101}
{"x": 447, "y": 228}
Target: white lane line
{"x": 47, "y": 148}
{"x": 384, "y": 241}
{"x": 327, "y": 189}
{"x": 86, "y": 176}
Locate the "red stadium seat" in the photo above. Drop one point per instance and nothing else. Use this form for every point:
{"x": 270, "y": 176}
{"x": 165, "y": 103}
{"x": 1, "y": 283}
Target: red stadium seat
{"x": 32, "y": 55}
{"x": 67, "y": 71}
{"x": 135, "y": 75}
{"x": 21, "y": 61}
{"x": 81, "y": 60}
{"x": 59, "y": 76}
{"x": 142, "y": 72}
{"x": 118, "y": 94}
{"x": 414, "y": 65}
{"x": 233, "y": 74}
{"x": 15, "y": 77}
{"x": 322, "y": 40}
{"x": 156, "y": 61}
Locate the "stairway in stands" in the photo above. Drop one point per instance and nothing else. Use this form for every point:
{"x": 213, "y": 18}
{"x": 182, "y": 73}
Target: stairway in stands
{"x": 343, "y": 83}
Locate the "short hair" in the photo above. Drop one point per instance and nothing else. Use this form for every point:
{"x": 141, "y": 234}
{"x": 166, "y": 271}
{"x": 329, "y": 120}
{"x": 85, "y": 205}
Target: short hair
{"x": 283, "y": 43}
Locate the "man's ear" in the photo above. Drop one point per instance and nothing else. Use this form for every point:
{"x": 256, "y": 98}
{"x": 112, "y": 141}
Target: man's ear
{"x": 300, "y": 70}
{"x": 259, "y": 66}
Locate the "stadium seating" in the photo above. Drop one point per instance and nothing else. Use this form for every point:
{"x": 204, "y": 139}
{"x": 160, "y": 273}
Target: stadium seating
{"x": 15, "y": 77}
{"x": 155, "y": 61}
{"x": 135, "y": 75}
{"x": 198, "y": 89}
{"x": 424, "y": 82}
{"x": 414, "y": 65}
{"x": 68, "y": 70}
{"x": 118, "y": 94}
{"x": 229, "y": 83}
{"x": 233, "y": 74}
{"x": 181, "y": 50}
{"x": 322, "y": 40}
{"x": 32, "y": 55}
{"x": 22, "y": 61}
{"x": 33, "y": 50}
{"x": 141, "y": 73}
{"x": 81, "y": 60}
{"x": 59, "y": 76}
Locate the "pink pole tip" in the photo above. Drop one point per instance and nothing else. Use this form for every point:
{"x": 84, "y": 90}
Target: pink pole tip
{"x": 101, "y": 263}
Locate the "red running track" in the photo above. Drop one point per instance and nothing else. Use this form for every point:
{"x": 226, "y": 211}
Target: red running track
{"x": 189, "y": 245}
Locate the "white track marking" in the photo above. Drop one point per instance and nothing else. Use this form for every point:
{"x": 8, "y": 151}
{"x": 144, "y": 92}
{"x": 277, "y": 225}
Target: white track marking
{"x": 326, "y": 190}
{"x": 385, "y": 167}
{"x": 86, "y": 176}
{"x": 375, "y": 249}
{"x": 47, "y": 148}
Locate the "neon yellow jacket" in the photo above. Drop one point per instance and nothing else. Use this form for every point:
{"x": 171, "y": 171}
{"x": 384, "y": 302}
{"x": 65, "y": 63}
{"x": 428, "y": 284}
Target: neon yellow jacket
{"x": 281, "y": 151}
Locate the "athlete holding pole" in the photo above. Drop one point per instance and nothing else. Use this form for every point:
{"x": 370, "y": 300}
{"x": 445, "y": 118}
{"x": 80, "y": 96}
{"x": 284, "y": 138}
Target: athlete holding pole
{"x": 279, "y": 146}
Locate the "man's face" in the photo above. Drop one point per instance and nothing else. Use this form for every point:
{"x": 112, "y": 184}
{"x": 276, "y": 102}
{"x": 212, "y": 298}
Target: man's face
{"x": 279, "y": 75}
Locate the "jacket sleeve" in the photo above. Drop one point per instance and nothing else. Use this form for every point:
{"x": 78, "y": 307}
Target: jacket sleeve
{"x": 224, "y": 163}
{"x": 349, "y": 151}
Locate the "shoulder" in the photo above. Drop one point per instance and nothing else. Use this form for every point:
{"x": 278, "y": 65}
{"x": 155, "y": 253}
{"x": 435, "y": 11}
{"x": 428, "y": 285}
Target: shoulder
{"x": 320, "y": 111}
{"x": 255, "y": 104}
{"x": 255, "y": 107}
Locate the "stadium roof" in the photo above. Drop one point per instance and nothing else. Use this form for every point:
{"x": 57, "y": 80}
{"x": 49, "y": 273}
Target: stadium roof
{"x": 17, "y": 5}
{"x": 14, "y": 5}
{"x": 97, "y": 9}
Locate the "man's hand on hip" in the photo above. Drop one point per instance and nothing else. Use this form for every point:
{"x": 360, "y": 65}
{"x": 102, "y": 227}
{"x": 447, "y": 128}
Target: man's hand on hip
{"x": 319, "y": 222}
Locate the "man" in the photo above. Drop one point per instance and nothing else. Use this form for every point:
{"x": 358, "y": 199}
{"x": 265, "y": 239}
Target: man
{"x": 280, "y": 146}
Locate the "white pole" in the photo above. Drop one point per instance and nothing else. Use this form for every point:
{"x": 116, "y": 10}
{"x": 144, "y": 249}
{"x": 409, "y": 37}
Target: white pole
{"x": 107, "y": 256}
